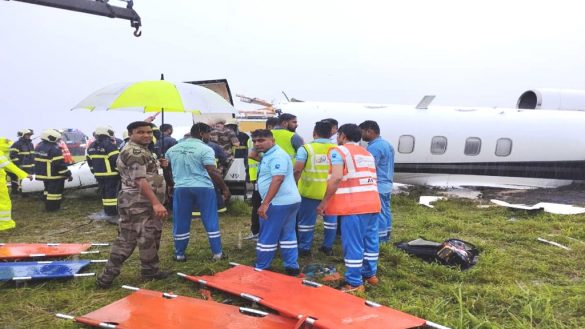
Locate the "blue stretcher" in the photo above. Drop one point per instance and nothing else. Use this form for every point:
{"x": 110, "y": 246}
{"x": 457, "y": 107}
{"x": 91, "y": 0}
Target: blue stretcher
{"x": 22, "y": 271}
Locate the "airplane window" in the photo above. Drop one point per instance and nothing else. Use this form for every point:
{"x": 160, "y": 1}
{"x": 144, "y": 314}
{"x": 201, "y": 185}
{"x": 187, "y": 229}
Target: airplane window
{"x": 472, "y": 146}
{"x": 438, "y": 145}
{"x": 406, "y": 144}
{"x": 503, "y": 147}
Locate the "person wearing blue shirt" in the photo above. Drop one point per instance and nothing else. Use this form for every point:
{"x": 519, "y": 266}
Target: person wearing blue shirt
{"x": 280, "y": 204}
{"x": 383, "y": 153}
{"x": 194, "y": 174}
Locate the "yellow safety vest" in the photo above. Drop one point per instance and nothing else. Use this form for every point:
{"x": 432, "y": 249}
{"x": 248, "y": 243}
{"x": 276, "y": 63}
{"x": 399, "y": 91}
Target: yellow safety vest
{"x": 283, "y": 139}
{"x": 313, "y": 181}
{"x": 6, "y": 165}
{"x": 252, "y": 165}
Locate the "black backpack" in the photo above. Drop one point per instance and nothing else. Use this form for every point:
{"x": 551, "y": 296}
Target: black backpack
{"x": 452, "y": 252}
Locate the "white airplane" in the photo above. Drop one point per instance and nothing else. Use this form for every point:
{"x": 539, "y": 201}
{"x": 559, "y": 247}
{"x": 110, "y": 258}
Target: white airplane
{"x": 523, "y": 147}
{"x": 520, "y": 147}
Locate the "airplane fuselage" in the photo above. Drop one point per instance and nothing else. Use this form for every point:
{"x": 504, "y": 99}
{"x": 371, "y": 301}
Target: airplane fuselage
{"x": 448, "y": 146}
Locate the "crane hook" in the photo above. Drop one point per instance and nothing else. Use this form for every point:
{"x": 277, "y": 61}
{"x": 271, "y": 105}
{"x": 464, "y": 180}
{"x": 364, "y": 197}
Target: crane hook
{"x": 137, "y": 32}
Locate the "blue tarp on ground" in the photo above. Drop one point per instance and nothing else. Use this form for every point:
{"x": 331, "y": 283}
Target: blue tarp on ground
{"x": 41, "y": 270}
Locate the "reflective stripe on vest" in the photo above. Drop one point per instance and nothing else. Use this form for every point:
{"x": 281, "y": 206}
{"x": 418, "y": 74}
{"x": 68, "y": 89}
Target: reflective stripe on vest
{"x": 106, "y": 162}
{"x": 4, "y": 161}
{"x": 5, "y": 215}
{"x": 357, "y": 192}
{"x": 252, "y": 165}
{"x": 252, "y": 170}
{"x": 313, "y": 181}
{"x": 48, "y": 167}
{"x": 283, "y": 137}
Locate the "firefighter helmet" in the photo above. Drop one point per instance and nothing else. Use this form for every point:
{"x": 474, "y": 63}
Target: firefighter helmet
{"x": 50, "y": 135}
{"x": 103, "y": 131}
{"x": 23, "y": 132}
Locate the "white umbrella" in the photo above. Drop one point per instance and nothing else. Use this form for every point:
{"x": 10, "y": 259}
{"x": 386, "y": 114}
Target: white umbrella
{"x": 156, "y": 96}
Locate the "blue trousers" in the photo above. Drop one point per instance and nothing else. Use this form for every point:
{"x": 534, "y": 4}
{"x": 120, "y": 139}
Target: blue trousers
{"x": 279, "y": 227}
{"x": 306, "y": 224}
{"x": 385, "y": 218}
{"x": 184, "y": 199}
{"x": 330, "y": 231}
{"x": 359, "y": 239}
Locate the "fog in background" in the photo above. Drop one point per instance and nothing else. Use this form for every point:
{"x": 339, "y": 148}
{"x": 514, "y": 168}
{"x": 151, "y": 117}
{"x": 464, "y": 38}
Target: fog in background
{"x": 468, "y": 53}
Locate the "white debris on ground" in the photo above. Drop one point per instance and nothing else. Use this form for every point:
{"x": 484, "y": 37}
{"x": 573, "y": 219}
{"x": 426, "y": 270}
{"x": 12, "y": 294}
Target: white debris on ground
{"x": 426, "y": 200}
{"x": 553, "y": 208}
{"x": 556, "y": 244}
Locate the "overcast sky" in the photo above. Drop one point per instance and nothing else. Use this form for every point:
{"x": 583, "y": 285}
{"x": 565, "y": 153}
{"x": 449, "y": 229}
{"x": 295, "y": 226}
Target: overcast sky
{"x": 468, "y": 53}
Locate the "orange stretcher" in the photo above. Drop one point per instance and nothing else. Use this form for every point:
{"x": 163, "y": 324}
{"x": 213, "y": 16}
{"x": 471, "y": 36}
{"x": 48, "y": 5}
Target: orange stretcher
{"x": 14, "y": 251}
{"x": 320, "y": 306}
{"x": 153, "y": 309}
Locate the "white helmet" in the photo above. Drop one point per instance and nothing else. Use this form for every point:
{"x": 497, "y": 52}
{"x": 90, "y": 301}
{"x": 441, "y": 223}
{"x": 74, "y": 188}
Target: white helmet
{"x": 23, "y": 132}
{"x": 125, "y": 134}
{"x": 50, "y": 135}
{"x": 105, "y": 131}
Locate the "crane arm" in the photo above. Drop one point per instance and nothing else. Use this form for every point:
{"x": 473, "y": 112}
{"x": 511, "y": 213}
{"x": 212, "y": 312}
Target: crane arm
{"x": 95, "y": 7}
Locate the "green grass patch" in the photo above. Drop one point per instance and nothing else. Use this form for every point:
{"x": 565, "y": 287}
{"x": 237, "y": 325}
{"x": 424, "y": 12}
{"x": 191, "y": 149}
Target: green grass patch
{"x": 517, "y": 283}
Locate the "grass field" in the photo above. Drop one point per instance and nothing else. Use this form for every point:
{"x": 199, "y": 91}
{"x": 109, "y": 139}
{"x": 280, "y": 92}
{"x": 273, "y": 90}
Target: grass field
{"x": 518, "y": 282}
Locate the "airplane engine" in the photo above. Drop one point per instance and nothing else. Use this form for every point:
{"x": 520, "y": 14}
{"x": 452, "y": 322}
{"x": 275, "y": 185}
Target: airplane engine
{"x": 552, "y": 99}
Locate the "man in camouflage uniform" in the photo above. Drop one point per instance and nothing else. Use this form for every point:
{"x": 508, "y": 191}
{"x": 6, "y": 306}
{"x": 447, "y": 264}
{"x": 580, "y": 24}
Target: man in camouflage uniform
{"x": 140, "y": 207}
{"x": 225, "y": 137}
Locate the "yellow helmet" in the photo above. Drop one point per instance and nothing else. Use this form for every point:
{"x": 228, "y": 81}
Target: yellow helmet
{"x": 50, "y": 135}
{"x": 5, "y": 145}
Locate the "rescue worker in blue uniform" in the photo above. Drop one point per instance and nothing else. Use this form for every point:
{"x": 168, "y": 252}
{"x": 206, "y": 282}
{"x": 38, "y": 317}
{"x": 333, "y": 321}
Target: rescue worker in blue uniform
{"x": 221, "y": 160}
{"x": 194, "y": 174}
{"x": 253, "y": 160}
{"x": 383, "y": 153}
{"x": 101, "y": 158}
{"x": 352, "y": 194}
{"x": 50, "y": 168}
{"x": 311, "y": 170}
{"x": 22, "y": 154}
{"x": 280, "y": 204}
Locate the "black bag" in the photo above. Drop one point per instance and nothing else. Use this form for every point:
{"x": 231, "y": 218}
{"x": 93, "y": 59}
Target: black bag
{"x": 455, "y": 252}
{"x": 452, "y": 252}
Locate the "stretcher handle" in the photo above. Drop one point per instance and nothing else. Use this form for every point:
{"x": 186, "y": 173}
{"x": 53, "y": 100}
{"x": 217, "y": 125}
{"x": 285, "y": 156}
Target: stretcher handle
{"x": 311, "y": 284}
{"x": 250, "y": 297}
{"x": 252, "y": 312}
{"x": 65, "y": 316}
{"x": 372, "y": 304}
{"x": 435, "y": 325}
{"x": 130, "y": 288}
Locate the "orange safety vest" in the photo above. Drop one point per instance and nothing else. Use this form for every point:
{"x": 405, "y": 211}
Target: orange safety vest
{"x": 66, "y": 154}
{"x": 357, "y": 192}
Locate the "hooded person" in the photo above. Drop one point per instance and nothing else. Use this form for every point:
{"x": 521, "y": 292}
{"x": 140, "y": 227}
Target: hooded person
{"x": 6, "y": 166}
